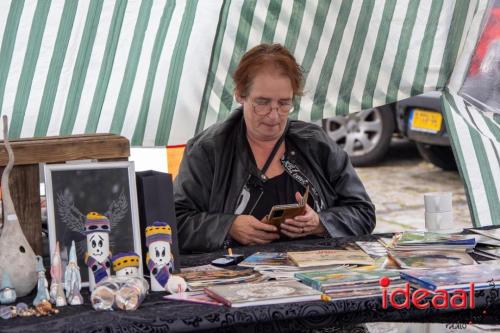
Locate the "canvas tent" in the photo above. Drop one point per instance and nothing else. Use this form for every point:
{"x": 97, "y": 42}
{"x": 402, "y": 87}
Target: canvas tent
{"x": 159, "y": 71}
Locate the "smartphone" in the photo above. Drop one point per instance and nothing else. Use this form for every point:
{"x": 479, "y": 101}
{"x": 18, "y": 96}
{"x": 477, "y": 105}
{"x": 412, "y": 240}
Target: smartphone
{"x": 280, "y": 213}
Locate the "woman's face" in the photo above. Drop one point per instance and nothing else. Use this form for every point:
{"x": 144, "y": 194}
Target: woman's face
{"x": 272, "y": 91}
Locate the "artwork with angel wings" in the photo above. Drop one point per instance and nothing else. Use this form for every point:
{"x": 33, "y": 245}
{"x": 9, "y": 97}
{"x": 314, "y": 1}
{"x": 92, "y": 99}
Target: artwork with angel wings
{"x": 75, "y": 190}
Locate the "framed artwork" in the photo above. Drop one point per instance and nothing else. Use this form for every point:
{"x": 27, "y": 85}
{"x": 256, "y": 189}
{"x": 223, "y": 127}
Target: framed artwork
{"x": 75, "y": 190}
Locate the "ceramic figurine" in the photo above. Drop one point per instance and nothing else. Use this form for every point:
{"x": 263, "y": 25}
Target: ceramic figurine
{"x": 72, "y": 278}
{"x": 42, "y": 293}
{"x": 17, "y": 257}
{"x": 98, "y": 257}
{"x": 160, "y": 260}
{"x": 57, "y": 296}
{"x": 7, "y": 291}
{"x": 126, "y": 264}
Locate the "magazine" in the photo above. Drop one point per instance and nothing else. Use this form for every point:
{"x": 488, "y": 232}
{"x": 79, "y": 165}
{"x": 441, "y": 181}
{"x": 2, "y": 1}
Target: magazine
{"x": 330, "y": 257}
{"x": 430, "y": 259}
{"x": 274, "y": 292}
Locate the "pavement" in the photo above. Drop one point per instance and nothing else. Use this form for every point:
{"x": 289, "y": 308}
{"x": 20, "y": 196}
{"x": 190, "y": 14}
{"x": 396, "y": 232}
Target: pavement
{"x": 397, "y": 186}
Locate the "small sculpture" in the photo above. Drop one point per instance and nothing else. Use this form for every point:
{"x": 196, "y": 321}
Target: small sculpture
{"x": 17, "y": 257}
{"x": 7, "y": 291}
{"x": 57, "y": 296}
{"x": 160, "y": 260}
{"x": 42, "y": 293}
{"x": 126, "y": 264}
{"x": 72, "y": 278}
{"x": 97, "y": 258}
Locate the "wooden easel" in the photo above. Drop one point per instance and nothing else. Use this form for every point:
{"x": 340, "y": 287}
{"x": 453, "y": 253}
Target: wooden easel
{"x": 25, "y": 176}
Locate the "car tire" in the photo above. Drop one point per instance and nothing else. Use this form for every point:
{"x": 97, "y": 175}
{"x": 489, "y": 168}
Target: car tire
{"x": 440, "y": 156}
{"x": 364, "y": 135}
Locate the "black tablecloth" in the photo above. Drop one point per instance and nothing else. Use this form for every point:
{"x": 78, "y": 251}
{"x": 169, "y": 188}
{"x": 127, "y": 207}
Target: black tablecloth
{"x": 158, "y": 315}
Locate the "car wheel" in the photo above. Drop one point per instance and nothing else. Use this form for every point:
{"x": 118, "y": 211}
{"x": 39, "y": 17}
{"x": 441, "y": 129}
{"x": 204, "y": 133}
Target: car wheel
{"x": 440, "y": 156}
{"x": 364, "y": 135}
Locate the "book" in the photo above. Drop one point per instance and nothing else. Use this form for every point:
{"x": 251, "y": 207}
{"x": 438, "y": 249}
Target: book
{"x": 197, "y": 280}
{"x": 421, "y": 240}
{"x": 330, "y": 257}
{"x": 430, "y": 259}
{"x": 492, "y": 233}
{"x": 374, "y": 248}
{"x": 193, "y": 297}
{"x": 268, "y": 261}
{"x": 337, "y": 279}
{"x": 451, "y": 278}
{"x": 264, "y": 293}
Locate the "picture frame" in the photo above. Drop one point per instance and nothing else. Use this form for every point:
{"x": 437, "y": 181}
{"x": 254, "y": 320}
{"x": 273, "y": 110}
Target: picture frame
{"x": 108, "y": 188}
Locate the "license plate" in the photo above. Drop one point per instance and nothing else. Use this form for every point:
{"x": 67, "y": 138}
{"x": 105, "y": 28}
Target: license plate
{"x": 426, "y": 121}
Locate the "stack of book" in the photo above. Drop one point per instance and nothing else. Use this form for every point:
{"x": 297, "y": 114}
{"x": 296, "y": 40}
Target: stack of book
{"x": 197, "y": 280}
{"x": 488, "y": 243}
{"x": 275, "y": 265}
{"x": 416, "y": 249}
{"x": 356, "y": 283}
{"x": 452, "y": 278}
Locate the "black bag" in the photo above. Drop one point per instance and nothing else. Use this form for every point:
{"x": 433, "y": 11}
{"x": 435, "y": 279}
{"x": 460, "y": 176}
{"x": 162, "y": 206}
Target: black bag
{"x": 155, "y": 194}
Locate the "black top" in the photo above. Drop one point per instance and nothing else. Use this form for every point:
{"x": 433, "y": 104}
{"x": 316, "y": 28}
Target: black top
{"x": 276, "y": 191}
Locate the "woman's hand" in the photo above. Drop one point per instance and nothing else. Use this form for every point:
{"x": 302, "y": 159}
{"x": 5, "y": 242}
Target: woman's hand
{"x": 247, "y": 230}
{"x": 303, "y": 225}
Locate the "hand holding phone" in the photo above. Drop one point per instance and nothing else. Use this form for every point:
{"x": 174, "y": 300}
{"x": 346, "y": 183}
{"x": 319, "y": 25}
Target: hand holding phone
{"x": 279, "y": 213}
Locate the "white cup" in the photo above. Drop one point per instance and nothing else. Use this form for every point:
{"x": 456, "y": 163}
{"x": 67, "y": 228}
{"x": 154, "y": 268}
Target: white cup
{"x": 438, "y": 202}
{"x": 439, "y": 222}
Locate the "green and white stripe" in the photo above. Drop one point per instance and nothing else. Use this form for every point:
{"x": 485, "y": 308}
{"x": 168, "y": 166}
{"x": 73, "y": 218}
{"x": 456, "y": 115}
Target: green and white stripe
{"x": 475, "y": 138}
{"x": 159, "y": 71}
{"x": 356, "y": 54}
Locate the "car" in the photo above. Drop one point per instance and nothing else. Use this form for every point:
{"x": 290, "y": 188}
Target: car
{"x": 364, "y": 135}
{"x": 420, "y": 119}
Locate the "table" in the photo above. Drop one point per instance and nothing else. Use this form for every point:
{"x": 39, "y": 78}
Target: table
{"x": 158, "y": 315}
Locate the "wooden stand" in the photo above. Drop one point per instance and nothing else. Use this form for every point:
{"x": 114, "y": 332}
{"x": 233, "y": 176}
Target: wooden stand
{"x": 25, "y": 176}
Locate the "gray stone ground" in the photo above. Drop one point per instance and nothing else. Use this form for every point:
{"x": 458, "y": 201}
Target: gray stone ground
{"x": 397, "y": 186}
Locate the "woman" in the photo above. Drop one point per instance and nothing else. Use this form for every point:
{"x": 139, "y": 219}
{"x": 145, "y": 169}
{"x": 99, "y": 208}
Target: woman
{"x": 235, "y": 171}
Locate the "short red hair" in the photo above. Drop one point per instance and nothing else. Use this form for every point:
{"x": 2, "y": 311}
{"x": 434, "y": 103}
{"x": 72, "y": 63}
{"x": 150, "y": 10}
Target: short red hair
{"x": 267, "y": 55}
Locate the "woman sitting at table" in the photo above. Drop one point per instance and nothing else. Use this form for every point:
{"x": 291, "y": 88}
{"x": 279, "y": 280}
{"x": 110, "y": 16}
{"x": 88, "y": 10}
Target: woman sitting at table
{"x": 233, "y": 173}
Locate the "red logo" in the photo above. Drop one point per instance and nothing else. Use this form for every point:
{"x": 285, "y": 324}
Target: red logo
{"x": 440, "y": 300}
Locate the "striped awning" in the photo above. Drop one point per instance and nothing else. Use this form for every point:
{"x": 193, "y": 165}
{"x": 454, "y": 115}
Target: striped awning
{"x": 475, "y": 138}
{"x": 160, "y": 71}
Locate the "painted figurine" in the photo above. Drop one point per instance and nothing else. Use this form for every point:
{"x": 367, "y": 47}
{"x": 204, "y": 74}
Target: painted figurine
{"x": 7, "y": 291}
{"x": 160, "y": 260}
{"x": 57, "y": 296}
{"x": 126, "y": 264}
{"x": 42, "y": 291}
{"x": 72, "y": 278}
{"x": 97, "y": 258}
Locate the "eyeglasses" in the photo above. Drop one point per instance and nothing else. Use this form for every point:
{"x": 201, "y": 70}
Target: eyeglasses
{"x": 263, "y": 106}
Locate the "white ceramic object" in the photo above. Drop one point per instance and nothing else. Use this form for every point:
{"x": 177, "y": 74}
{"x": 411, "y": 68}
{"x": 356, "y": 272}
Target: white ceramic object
{"x": 17, "y": 257}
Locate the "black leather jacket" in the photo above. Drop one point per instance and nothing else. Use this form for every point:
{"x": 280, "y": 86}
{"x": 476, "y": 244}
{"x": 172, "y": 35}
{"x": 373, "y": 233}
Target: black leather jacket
{"x": 215, "y": 167}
